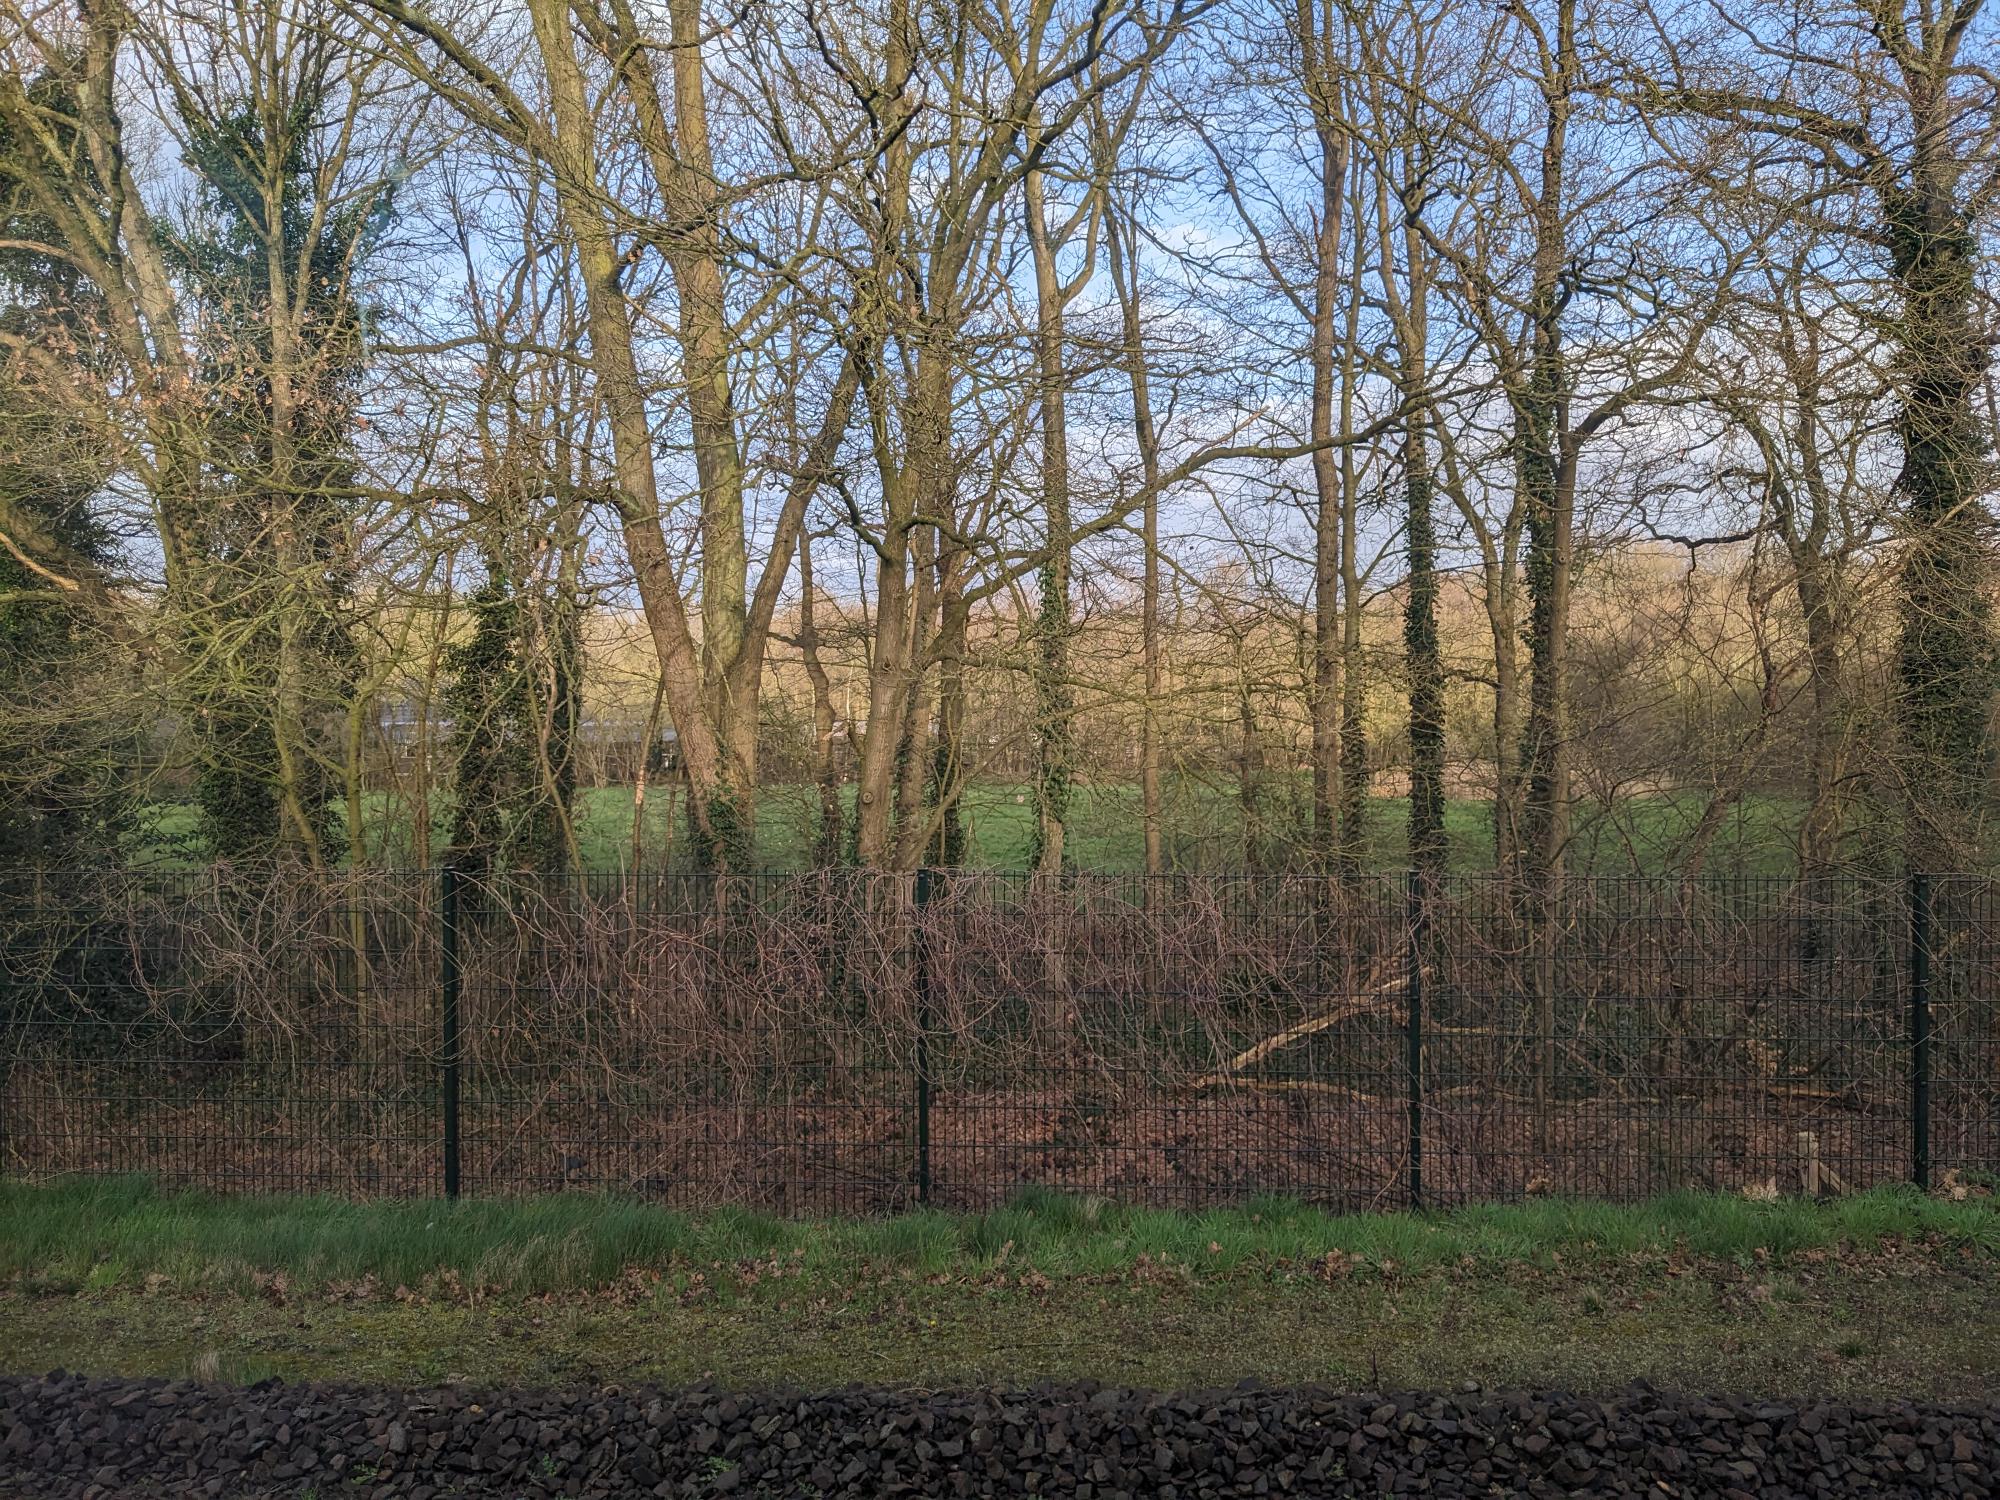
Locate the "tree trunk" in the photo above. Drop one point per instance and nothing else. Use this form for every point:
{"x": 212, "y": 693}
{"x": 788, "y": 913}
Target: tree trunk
{"x": 1055, "y": 693}
{"x": 1826, "y": 623}
{"x": 1428, "y": 850}
{"x": 1250, "y": 770}
{"x": 827, "y": 828}
{"x": 1503, "y": 624}
{"x": 1125, "y": 277}
{"x": 1353, "y": 757}
{"x": 649, "y": 738}
{"x": 921, "y": 477}
{"x": 892, "y": 669}
{"x": 913, "y": 760}
{"x": 1945, "y": 657}
{"x": 1331, "y": 494}
{"x": 1546, "y": 464}
{"x": 1407, "y": 298}
{"x": 947, "y": 776}
{"x": 1545, "y": 468}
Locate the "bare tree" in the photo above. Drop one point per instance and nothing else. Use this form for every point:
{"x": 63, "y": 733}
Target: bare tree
{"x": 1901, "y": 123}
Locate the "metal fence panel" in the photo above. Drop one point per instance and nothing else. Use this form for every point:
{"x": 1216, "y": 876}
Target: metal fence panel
{"x": 857, "y": 1042}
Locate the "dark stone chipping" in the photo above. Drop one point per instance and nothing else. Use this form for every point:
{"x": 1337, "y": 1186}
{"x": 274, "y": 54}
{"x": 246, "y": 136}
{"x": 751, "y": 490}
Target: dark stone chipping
{"x": 66, "y": 1437}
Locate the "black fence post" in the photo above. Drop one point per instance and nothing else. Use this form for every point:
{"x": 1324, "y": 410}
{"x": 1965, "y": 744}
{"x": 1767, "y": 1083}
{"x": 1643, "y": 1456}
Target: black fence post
{"x": 448, "y": 984}
{"x": 926, "y": 878}
{"x": 1920, "y": 1031}
{"x": 1414, "y": 1030}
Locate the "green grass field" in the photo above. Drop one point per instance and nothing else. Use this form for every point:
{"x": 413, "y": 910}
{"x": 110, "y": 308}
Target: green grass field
{"x": 1884, "y": 1290}
{"x": 1203, "y": 830}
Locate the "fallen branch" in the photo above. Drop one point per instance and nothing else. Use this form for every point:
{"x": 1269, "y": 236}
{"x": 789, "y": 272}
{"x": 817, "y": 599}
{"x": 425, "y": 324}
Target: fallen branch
{"x": 1346, "y": 1011}
{"x": 1847, "y": 1098}
{"x": 1301, "y": 1086}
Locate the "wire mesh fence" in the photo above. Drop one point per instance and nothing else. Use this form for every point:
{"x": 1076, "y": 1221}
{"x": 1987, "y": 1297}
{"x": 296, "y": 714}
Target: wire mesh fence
{"x": 860, "y": 1042}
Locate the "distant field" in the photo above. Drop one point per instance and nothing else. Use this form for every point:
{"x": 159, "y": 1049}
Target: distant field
{"x": 1203, "y": 832}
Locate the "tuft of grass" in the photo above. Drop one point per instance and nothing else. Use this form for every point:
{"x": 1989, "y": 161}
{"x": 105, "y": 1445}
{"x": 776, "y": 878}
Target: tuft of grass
{"x": 103, "y": 1233}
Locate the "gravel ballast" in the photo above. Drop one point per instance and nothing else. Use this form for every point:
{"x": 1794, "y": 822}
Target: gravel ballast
{"x": 70, "y": 1436}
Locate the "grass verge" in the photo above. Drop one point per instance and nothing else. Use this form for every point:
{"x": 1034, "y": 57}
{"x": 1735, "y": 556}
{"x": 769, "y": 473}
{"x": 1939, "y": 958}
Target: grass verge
{"x": 1884, "y": 1291}
{"x": 98, "y": 1234}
